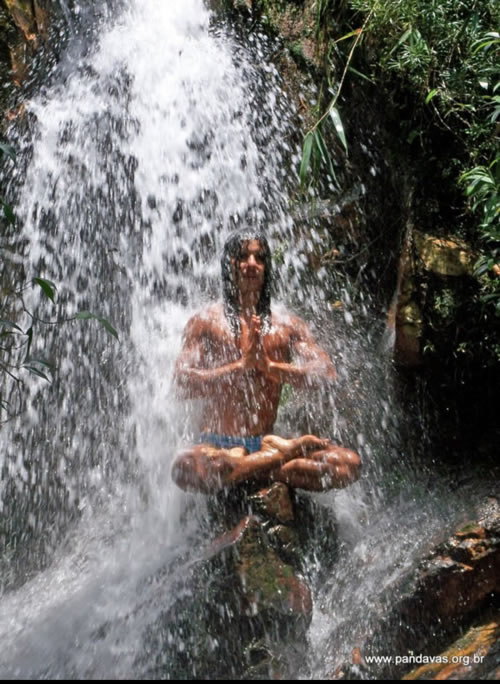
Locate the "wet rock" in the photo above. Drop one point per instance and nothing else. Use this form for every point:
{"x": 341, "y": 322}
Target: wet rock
{"x": 446, "y": 256}
{"x": 455, "y": 582}
{"x": 453, "y": 591}
{"x": 247, "y": 9}
{"x": 241, "y": 610}
{"x": 29, "y": 18}
{"x": 476, "y": 655}
{"x": 404, "y": 318}
{"x": 430, "y": 273}
{"x": 268, "y": 585}
{"x": 409, "y": 328}
{"x": 23, "y": 29}
{"x": 274, "y": 502}
{"x": 461, "y": 573}
{"x": 285, "y": 540}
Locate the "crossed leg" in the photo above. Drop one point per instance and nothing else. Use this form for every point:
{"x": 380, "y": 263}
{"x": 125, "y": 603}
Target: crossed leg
{"x": 317, "y": 465}
{"x": 305, "y": 462}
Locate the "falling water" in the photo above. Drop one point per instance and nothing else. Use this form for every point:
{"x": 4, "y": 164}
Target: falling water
{"x": 139, "y": 159}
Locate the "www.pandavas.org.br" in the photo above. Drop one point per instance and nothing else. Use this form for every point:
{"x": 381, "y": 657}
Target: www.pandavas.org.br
{"x": 421, "y": 659}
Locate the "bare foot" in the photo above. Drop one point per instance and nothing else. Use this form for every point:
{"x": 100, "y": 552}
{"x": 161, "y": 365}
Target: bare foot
{"x": 292, "y": 448}
{"x": 307, "y": 443}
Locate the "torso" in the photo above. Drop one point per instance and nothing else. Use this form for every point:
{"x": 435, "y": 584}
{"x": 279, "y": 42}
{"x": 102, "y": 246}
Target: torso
{"x": 247, "y": 406}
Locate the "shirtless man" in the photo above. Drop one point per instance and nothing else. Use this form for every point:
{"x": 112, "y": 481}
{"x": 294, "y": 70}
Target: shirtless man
{"x": 236, "y": 356}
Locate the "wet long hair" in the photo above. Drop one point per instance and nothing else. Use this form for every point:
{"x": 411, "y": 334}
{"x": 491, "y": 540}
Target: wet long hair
{"x": 230, "y": 294}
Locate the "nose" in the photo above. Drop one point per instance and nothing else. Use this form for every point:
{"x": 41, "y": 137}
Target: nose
{"x": 252, "y": 260}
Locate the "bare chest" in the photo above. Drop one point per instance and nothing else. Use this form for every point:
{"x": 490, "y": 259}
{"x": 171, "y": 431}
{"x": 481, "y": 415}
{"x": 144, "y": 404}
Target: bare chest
{"x": 224, "y": 347}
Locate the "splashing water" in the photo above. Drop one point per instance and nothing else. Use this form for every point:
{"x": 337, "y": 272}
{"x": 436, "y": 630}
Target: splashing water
{"x": 140, "y": 160}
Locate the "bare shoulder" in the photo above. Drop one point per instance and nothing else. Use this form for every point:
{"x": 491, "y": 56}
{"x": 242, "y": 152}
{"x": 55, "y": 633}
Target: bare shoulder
{"x": 290, "y": 324}
{"x": 207, "y": 321}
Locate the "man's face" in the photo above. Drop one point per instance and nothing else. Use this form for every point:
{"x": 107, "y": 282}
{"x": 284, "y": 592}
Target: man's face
{"x": 250, "y": 267}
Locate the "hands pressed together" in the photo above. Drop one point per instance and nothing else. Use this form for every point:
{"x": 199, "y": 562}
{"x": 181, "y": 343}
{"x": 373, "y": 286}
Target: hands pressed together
{"x": 253, "y": 352}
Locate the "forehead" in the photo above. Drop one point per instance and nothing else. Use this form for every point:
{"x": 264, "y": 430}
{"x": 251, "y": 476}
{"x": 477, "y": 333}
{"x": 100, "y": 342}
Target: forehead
{"x": 251, "y": 246}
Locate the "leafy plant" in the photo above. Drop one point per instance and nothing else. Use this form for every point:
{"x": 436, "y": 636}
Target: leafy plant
{"x": 16, "y": 340}
{"x": 483, "y": 188}
{"x": 315, "y": 154}
{"x": 18, "y": 326}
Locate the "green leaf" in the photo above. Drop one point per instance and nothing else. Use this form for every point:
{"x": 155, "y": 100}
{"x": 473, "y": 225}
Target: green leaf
{"x": 108, "y": 327}
{"x": 361, "y": 75}
{"x": 35, "y": 371}
{"x": 325, "y": 154}
{"x": 48, "y": 288}
{"x": 496, "y": 111}
{"x": 481, "y": 268}
{"x": 356, "y": 32}
{"x": 41, "y": 362}
{"x": 491, "y": 297}
{"x": 84, "y": 315}
{"x": 8, "y": 150}
{"x": 486, "y": 41}
{"x": 306, "y": 158}
{"x": 430, "y": 95}
{"x": 339, "y": 127}
{"x": 405, "y": 35}
{"x": 11, "y": 324}
{"x": 8, "y": 213}
{"x": 87, "y": 315}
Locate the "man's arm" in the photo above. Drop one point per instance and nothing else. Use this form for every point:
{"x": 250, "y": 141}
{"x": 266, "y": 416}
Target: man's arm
{"x": 311, "y": 365}
{"x": 192, "y": 378}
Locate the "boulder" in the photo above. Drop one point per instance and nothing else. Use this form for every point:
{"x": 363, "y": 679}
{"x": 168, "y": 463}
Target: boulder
{"x": 452, "y": 592}
{"x": 430, "y": 273}
{"x": 475, "y": 655}
{"x": 446, "y": 256}
{"x": 243, "y": 607}
{"x": 23, "y": 31}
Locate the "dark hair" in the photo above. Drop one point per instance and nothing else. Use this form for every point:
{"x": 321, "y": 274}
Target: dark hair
{"x": 230, "y": 294}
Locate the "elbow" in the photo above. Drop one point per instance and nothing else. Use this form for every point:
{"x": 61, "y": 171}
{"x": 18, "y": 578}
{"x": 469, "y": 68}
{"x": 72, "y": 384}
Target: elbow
{"x": 321, "y": 379}
{"x": 329, "y": 373}
{"x": 182, "y": 389}
{"x": 324, "y": 374}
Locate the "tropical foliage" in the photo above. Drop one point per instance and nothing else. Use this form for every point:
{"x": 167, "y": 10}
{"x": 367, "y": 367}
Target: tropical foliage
{"x": 437, "y": 60}
{"x": 18, "y": 325}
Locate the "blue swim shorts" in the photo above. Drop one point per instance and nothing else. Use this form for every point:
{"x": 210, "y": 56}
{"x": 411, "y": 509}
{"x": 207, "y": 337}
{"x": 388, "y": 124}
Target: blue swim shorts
{"x": 250, "y": 443}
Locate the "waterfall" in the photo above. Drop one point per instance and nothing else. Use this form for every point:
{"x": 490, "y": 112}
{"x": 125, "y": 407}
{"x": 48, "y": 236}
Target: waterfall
{"x": 135, "y": 163}
{"x": 138, "y": 160}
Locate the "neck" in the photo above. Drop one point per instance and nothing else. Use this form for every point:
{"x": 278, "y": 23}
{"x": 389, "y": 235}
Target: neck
{"x": 248, "y": 304}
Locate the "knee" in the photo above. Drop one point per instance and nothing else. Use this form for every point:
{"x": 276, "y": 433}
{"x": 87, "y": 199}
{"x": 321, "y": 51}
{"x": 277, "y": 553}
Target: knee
{"x": 183, "y": 468}
{"x": 353, "y": 459}
{"x": 178, "y": 470}
{"x": 353, "y": 462}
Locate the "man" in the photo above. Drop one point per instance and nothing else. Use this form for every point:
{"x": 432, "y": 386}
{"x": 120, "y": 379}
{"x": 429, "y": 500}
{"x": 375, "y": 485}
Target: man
{"x": 236, "y": 356}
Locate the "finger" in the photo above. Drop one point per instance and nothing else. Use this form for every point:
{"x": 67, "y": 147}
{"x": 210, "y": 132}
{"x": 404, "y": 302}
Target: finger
{"x": 312, "y": 442}
{"x": 255, "y": 324}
